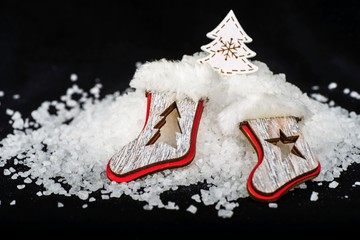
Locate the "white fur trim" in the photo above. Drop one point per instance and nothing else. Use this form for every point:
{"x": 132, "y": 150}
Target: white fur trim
{"x": 185, "y": 77}
{"x": 232, "y": 99}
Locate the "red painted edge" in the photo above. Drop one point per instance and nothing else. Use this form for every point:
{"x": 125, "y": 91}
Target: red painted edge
{"x": 148, "y": 104}
{"x": 277, "y": 194}
{"x": 186, "y": 159}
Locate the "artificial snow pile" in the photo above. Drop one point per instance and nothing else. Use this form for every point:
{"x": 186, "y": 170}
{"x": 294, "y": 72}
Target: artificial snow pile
{"x": 66, "y": 153}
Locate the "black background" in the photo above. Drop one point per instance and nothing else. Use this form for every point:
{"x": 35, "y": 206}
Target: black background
{"x": 41, "y": 44}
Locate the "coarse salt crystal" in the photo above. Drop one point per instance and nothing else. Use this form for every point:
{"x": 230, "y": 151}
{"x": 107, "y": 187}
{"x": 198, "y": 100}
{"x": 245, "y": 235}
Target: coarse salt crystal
{"x": 138, "y": 64}
{"x": 83, "y": 195}
{"x": 15, "y": 176}
{"x": 7, "y": 172}
{"x": 318, "y": 97}
{"x": 22, "y": 186}
{"x": 60, "y": 205}
{"x": 192, "y": 209}
{"x": 92, "y": 199}
{"x": 314, "y": 196}
{"x": 9, "y": 112}
{"x": 355, "y": 95}
{"x": 148, "y": 207}
{"x": 27, "y": 180}
{"x": 73, "y": 77}
{"x": 332, "y": 85}
{"x": 315, "y": 87}
{"x": 273, "y": 205}
{"x": 225, "y": 213}
{"x": 333, "y": 184}
{"x": 13, "y": 202}
{"x": 171, "y": 206}
{"x": 196, "y": 197}
{"x": 105, "y": 197}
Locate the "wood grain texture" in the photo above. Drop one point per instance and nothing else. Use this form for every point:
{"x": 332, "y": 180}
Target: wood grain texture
{"x": 276, "y": 170}
{"x": 144, "y": 150}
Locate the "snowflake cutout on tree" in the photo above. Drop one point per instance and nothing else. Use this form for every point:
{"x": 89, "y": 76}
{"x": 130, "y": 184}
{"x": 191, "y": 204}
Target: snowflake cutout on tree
{"x": 229, "y": 48}
{"x": 228, "y": 52}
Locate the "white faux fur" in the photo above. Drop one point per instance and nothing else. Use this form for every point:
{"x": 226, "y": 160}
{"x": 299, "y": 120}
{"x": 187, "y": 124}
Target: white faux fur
{"x": 185, "y": 77}
{"x": 259, "y": 95}
{"x": 233, "y": 99}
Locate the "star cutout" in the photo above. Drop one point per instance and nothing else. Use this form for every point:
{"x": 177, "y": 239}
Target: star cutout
{"x": 286, "y": 145}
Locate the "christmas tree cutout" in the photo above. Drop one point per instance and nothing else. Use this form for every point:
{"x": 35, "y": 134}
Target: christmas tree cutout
{"x": 228, "y": 53}
{"x": 167, "y": 127}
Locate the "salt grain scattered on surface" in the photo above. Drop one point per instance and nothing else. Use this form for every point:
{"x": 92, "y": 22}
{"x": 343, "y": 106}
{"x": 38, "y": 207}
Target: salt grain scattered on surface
{"x": 27, "y": 180}
{"x": 138, "y": 64}
{"x": 346, "y": 91}
{"x": 9, "y": 112}
{"x": 83, "y": 195}
{"x": 196, "y": 198}
{"x": 318, "y": 97}
{"x": 84, "y": 205}
{"x": 15, "y": 176}
{"x": 314, "y": 196}
{"x": 66, "y": 153}
{"x": 60, "y": 205}
{"x": 16, "y": 96}
{"x": 332, "y": 85}
{"x": 148, "y": 207}
{"x": 92, "y": 199}
{"x": 192, "y": 209}
{"x": 315, "y": 88}
{"x": 2, "y": 93}
{"x": 273, "y": 205}
{"x": 73, "y": 77}
{"x": 355, "y": 95}
{"x": 13, "y": 202}
{"x": 21, "y": 186}
{"x": 105, "y": 197}
{"x": 333, "y": 184}
{"x": 7, "y": 172}
{"x": 171, "y": 206}
{"x": 225, "y": 213}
